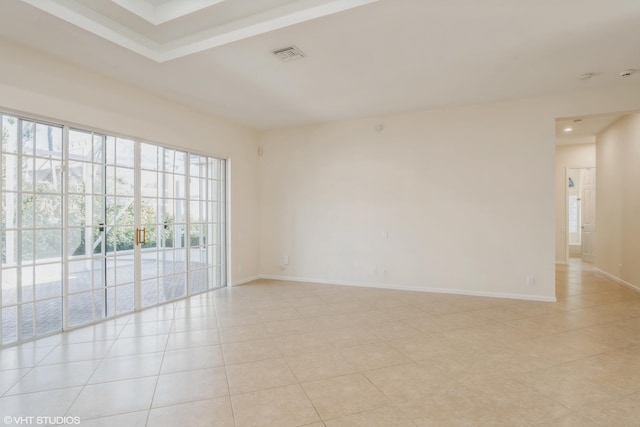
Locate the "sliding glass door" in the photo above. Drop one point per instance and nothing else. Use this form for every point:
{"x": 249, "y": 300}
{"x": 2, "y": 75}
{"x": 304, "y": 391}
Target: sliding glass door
{"x": 31, "y": 273}
{"x": 101, "y": 226}
{"x": 206, "y": 230}
{"x": 163, "y": 201}
{"x": 94, "y": 226}
{"x": 86, "y": 229}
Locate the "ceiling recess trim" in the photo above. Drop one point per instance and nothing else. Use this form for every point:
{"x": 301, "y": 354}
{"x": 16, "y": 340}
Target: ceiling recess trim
{"x": 295, "y": 12}
{"x": 165, "y": 12}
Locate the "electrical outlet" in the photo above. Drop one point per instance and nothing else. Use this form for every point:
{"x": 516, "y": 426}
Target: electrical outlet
{"x": 531, "y": 280}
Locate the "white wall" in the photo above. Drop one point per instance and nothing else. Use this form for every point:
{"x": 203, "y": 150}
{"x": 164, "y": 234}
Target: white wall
{"x": 466, "y": 194}
{"x": 39, "y": 85}
{"x": 568, "y": 156}
{"x": 618, "y": 200}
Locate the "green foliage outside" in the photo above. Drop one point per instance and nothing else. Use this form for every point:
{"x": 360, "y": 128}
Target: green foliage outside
{"x": 40, "y": 208}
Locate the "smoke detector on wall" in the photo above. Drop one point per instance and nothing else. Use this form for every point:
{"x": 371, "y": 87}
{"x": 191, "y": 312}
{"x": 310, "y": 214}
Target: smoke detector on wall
{"x": 288, "y": 53}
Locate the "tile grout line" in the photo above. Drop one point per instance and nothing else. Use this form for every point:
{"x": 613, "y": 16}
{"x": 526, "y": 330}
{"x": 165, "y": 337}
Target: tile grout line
{"x": 224, "y": 361}
{"x": 66, "y": 413}
{"x": 164, "y": 352}
{"x": 29, "y": 369}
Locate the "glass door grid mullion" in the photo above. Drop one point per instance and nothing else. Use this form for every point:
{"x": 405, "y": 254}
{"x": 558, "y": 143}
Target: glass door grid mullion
{"x": 137, "y": 224}
{"x": 2, "y": 225}
{"x": 103, "y": 237}
{"x": 65, "y": 230}
{"x": 188, "y": 178}
{"x": 181, "y": 255}
{"x": 19, "y": 232}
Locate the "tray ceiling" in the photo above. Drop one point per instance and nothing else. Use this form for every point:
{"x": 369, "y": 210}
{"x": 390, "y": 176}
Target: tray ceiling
{"x": 384, "y": 57}
{"x": 163, "y": 30}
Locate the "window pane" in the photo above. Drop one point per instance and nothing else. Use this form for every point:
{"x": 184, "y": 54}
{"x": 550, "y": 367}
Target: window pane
{"x": 180, "y": 260}
{"x": 213, "y": 189}
{"x": 124, "y": 272}
{"x": 48, "y": 209}
{"x": 80, "y": 276}
{"x": 9, "y": 134}
{"x": 99, "y": 148}
{"x": 110, "y": 302}
{"x": 148, "y": 157}
{"x": 48, "y": 141}
{"x": 80, "y": 310}
{"x": 80, "y": 145}
{"x": 48, "y": 281}
{"x": 110, "y": 186}
{"x": 124, "y": 182}
{"x": 10, "y": 248}
{"x": 26, "y": 285}
{"x": 124, "y": 299}
{"x": 28, "y": 133}
{"x": 98, "y": 211}
{"x": 27, "y": 321}
{"x": 9, "y": 324}
{"x": 149, "y": 292}
{"x": 10, "y": 210}
{"x": 180, "y": 162}
{"x": 148, "y": 184}
{"x": 27, "y": 245}
{"x": 78, "y": 209}
{"x": 48, "y": 316}
{"x": 99, "y": 301}
{"x": 10, "y": 172}
{"x": 9, "y": 286}
{"x": 110, "y": 149}
{"x": 124, "y": 152}
{"x": 27, "y": 174}
{"x": 48, "y": 244}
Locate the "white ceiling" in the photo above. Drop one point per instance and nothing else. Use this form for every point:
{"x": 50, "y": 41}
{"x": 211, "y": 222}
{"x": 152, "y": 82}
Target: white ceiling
{"x": 381, "y": 57}
{"x": 583, "y": 129}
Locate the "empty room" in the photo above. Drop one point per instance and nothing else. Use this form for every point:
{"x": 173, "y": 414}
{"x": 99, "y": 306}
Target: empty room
{"x": 320, "y": 213}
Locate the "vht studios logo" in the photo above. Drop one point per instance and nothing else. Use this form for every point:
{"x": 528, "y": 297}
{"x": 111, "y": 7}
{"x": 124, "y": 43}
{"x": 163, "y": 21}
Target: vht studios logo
{"x": 49, "y": 421}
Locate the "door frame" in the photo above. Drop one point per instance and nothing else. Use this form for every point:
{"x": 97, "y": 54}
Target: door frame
{"x": 66, "y": 126}
{"x": 565, "y": 186}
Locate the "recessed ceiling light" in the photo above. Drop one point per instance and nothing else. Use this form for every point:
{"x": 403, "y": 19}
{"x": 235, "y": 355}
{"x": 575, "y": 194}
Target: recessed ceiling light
{"x": 585, "y": 76}
{"x": 627, "y": 73}
{"x": 567, "y": 129}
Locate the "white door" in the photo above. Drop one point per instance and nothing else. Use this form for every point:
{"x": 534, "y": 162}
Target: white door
{"x": 588, "y": 182}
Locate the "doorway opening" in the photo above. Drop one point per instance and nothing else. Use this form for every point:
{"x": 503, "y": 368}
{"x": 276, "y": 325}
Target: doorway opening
{"x": 581, "y": 206}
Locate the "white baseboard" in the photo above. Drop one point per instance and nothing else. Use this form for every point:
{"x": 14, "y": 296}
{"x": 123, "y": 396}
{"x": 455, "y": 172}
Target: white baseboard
{"x": 617, "y": 280}
{"x": 243, "y": 281}
{"x": 411, "y": 288}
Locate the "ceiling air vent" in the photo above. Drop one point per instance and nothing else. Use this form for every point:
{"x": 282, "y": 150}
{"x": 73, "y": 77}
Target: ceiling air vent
{"x": 289, "y": 53}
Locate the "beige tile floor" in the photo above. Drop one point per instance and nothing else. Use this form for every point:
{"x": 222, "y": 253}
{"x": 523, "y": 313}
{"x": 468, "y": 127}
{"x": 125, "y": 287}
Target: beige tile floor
{"x": 291, "y": 354}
